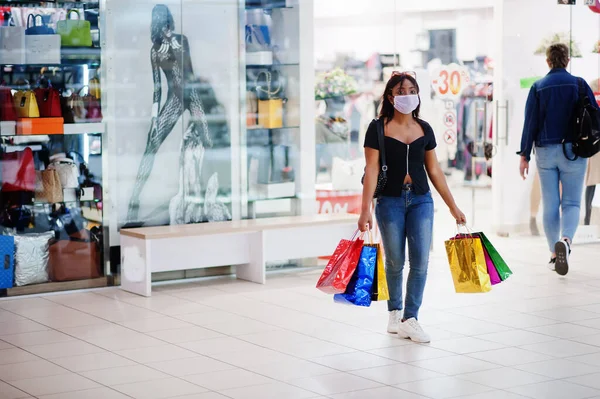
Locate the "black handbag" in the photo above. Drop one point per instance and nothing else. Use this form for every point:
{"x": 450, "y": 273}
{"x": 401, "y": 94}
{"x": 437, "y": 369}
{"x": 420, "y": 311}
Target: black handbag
{"x": 382, "y": 177}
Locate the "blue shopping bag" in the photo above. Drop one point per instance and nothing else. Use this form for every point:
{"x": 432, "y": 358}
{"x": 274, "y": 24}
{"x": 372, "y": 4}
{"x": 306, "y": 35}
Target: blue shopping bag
{"x": 7, "y": 261}
{"x": 361, "y": 285}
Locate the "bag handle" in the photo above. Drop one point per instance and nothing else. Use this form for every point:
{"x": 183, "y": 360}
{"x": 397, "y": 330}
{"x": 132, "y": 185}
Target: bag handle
{"x": 30, "y": 18}
{"x": 268, "y": 91}
{"x": 381, "y": 140}
{"x": 580, "y": 102}
{"x": 72, "y": 10}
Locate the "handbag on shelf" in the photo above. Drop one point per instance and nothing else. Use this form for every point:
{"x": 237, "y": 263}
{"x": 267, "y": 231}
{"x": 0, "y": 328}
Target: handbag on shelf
{"x": 12, "y": 44}
{"x": 74, "y": 32}
{"x": 68, "y": 172}
{"x": 270, "y": 108}
{"x": 73, "y": 107}
{"x": 26, "y": 104}
{"x": 75, "y": 258}
{"x": 345, "y": 175}
{"x": 93, "y": 110}
{"x": 49, "y": 188}
{"x": 34, "y": 29}
{"x": 7, "y": 106}
{"x": 48, "y": 100}
{"x": 18, "y": 171}
{"x": 95, "y": 88}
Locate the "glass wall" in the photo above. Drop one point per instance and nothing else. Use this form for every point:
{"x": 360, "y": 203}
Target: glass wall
{"x": 522, "y": 62}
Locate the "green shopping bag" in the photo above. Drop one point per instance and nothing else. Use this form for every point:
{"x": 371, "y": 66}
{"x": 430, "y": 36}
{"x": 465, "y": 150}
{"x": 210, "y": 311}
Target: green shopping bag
{"x": 503, "y": 270}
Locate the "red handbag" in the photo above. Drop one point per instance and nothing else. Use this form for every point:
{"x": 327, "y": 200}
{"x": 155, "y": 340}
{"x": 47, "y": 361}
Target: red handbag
{"x": 48, "y": 100}
{"x": 341, "y": 266}
{"x": 7, "y": 106}
{"x": 18, "y": 171}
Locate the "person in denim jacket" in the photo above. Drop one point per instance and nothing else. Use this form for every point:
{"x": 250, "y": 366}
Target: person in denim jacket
{"x": 548, "y": 124}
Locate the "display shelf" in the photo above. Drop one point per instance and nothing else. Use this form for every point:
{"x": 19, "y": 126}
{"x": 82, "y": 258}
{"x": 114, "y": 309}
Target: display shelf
{"x": 272, "y": 66}
{"x": 253, "y": 128}
{"x": 55, "y": 286}
{"x": 84, "y": 128}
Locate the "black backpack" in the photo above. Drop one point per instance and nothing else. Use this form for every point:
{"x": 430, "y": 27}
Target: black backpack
{"x": 586, "y": 127}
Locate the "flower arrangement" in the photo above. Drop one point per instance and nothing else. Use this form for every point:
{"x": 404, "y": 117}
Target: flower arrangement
{"x": 335, "y": 83}
{"x": 559, "y": 38}
{"x": 596, "y": 48}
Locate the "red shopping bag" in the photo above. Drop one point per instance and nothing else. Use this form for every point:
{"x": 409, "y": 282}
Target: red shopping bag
{"x": 341, "y": 266}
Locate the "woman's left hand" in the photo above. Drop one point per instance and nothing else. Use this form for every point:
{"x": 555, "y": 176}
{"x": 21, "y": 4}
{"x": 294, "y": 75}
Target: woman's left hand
{"x": 458, "y": 215}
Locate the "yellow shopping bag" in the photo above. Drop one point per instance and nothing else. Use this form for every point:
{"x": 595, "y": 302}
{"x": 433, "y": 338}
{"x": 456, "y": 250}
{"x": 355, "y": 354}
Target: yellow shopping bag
{"x": 380, "y": 286}
{"x": 467, "y": 264}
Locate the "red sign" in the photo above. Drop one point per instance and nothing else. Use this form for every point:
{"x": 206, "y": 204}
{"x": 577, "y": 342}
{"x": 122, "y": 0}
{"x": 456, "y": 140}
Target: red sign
{"x": 450, "y": 136}
{"x": 338, "y": 202}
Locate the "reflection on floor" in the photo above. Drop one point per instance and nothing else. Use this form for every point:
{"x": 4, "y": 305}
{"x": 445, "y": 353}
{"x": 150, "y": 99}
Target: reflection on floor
{"x": 534, "y": 336}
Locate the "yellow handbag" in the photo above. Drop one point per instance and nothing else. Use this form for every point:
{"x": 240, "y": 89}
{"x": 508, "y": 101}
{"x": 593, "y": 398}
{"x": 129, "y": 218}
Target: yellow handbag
{"x": 270, "y": 111}
{"x": 95, "y": 88}
{"x": 26, "y": 105}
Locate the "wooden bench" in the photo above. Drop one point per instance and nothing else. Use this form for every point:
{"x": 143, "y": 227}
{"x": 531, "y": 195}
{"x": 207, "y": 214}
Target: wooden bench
{"x": 246, "y": 244}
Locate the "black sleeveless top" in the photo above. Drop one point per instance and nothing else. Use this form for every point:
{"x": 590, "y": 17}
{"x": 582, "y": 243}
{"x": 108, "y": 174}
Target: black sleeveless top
{"x": 403, "y": 159}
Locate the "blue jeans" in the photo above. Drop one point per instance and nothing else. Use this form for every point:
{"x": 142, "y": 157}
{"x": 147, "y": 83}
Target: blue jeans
{"x": 408, "y": 218}
{"x": 556, "y": 170}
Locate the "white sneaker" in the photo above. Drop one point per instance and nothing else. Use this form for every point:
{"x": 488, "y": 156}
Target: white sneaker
{"x": 394, "y": 321}
{"x": 562, "y": 250}
{"x": 413, "y": 330}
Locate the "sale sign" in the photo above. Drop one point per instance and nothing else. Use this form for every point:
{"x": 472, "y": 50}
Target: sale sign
{"x": 449, "y": 81}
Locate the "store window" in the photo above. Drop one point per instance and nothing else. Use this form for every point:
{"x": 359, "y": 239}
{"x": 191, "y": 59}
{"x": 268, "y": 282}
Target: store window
{"x": 52, "y": 174}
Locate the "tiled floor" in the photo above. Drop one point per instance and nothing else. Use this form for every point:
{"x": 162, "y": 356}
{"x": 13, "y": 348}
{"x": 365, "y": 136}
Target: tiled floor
{"x": 535, "y": 336}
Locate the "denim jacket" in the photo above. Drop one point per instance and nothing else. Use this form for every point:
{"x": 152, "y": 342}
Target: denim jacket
{"x": 549, "y": 110}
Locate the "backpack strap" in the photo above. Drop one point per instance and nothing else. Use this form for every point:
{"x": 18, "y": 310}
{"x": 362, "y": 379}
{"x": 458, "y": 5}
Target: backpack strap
{"x": 381, "y": 140}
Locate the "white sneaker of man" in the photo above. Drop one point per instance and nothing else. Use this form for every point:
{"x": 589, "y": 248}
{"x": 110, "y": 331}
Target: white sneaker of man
{"x": 412, "y": 329}
{"x": 395, "y": 319}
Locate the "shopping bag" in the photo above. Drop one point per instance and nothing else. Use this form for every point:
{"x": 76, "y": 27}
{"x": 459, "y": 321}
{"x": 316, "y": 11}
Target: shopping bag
{"x": 501, "y": 267}
{"x": 360, "y": 287}
{"x": 467, "y": 264}
{"x": 341, "y": 266}
{"x": 494, "y": 277}
{"x": 380, "y": 286}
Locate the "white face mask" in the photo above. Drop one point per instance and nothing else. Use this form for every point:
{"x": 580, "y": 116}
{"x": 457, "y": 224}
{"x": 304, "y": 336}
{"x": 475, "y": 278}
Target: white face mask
{"x": 406, "y": 104}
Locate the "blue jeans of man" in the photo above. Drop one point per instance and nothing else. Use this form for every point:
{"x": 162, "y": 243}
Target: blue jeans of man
{"x": 402, "y": 220}
{"x": 556, "y": 170}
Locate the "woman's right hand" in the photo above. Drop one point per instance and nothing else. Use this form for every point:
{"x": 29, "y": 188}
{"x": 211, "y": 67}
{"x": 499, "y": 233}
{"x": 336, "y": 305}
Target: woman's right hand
{"x": 365, "y": 222}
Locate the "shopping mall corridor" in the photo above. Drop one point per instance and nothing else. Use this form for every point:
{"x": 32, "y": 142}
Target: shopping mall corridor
{"x": 534, "y": 336}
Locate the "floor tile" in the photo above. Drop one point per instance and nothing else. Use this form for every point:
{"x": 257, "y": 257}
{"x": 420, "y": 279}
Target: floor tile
{"x": 94, "y": 361}
{"x": 38, "y": 368}
{"x": 353, "y": 361}
{"x": 37, "y": 338}
{"x": 396, "y": 374}
{"x": 54, "y": 384}
{"x": 567, "y": 314}
{"x": 378, "y": 393}
{"x": 124, "y": 375}
{"x": 63, "y": 349}
{"x": 592, "y": 359}
{"x": 228, "y": 379}
{"x": 125, "y": 341}
{"x": 314, "y": 349}
{"x": 20, "y": 326}
{"x": 516, "y": 338}
{"x": 159, "y": 389}
{"x": 204, "y": 395}
{"x": 465, "y": 345}
{"x": 498, "y": 394}
{"x": 446, "y": 387}
{"x": 275, "y": 390}
{"x": 411, "y": 353}
{"x": 589, "y": 380}
{"x": 9, "y": 392}
{"x": 555, "y": 390}
{"x": 191, "y": 365}
{"x": 215, "y": 346}
{"x": 562, "y": 348}
{"x": 559, "y": 368}
{"x": 564, "y": 330}
{"x": 16, "y": 355}
{"x": 156, "y": 354}
{"x": 5, "y": 345}
{"x": 290, "y": 369}
{"x": 588, "y": 339}
{"x": 95, "y": 393}
{"x": 510, "y": 356}
{"x": 503, "y": 378}
{"x": 183, "y": 335}
{"x": 334, "y": 383}
{"x": 155, "y": 324}
{"x": 453, "y": 365}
